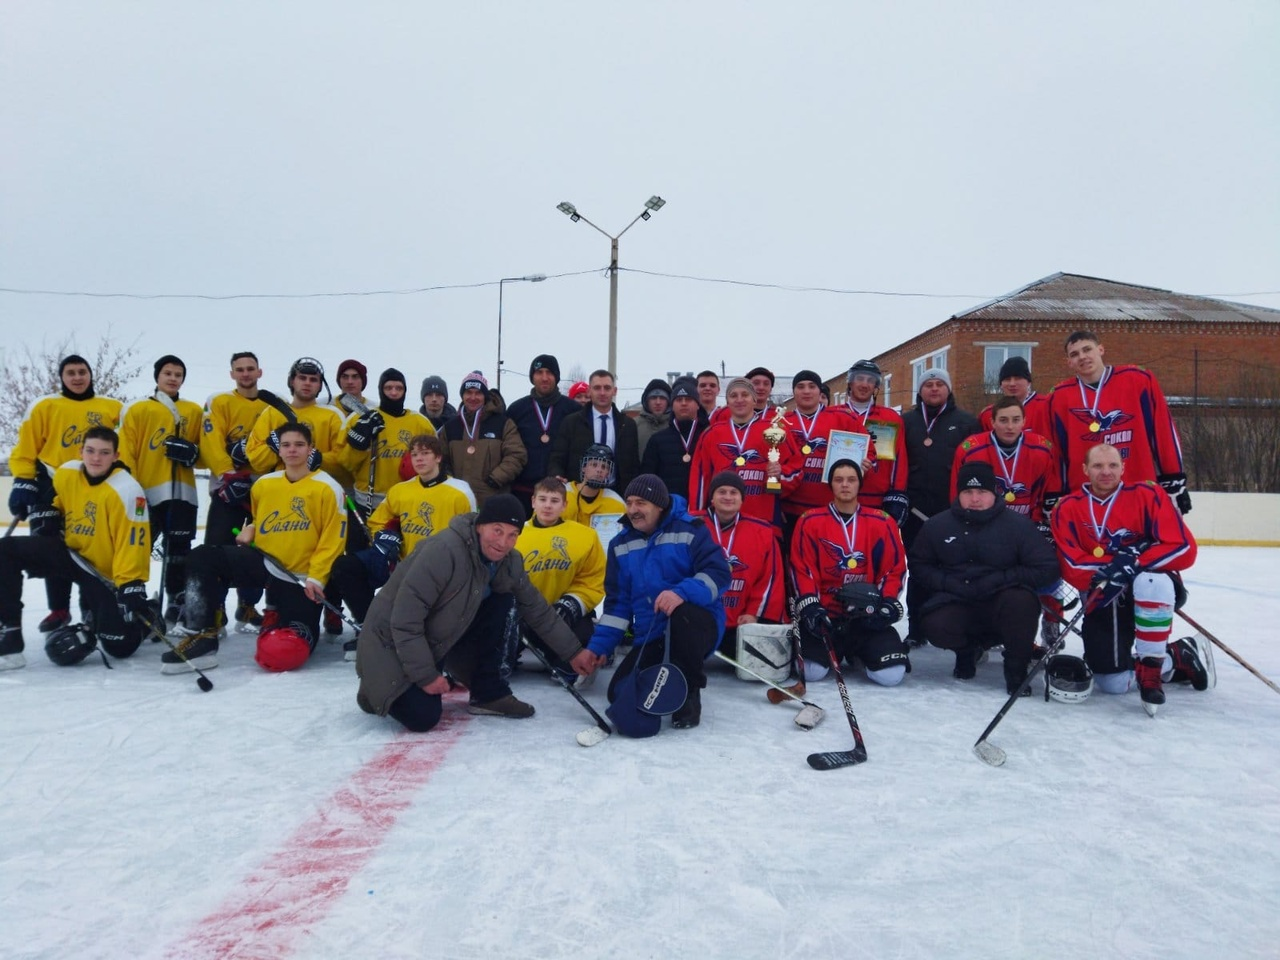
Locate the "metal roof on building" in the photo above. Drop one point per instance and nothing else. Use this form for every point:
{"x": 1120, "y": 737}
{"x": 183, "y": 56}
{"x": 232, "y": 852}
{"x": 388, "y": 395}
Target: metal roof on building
{"x": 1071, "y": 296}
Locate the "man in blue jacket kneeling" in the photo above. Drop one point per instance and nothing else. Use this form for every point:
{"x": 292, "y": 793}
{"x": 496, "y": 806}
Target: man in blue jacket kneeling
{"x": 664, "y": 572}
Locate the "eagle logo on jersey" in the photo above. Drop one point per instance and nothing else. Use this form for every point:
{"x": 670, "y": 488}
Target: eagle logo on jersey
{"x": 561, "y": 546}
{"x": 1119, "y": 539}
{"x": 1105, "y": 421}
{"x": 813, "y": 443}
{"x": 731, "y": 451}
{"x": 299, "y": 506}
{"x": 845, "y": 559}
{"x": 1017, "y": 488}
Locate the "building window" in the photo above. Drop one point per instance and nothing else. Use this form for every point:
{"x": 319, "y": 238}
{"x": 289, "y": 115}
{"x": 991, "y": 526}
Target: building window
{"x": 993, "y": 357}
{"x": 934, "y": 361}
{"x": 887, "y": 383}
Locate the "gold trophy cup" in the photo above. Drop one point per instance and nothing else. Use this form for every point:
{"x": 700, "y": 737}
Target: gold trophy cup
{"x": 774, "y": 434}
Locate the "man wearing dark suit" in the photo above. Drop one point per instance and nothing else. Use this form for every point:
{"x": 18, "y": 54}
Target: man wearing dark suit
{"x": 598, "y": 422}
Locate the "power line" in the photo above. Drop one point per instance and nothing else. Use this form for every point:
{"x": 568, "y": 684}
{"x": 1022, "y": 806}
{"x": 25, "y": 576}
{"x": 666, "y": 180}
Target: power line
{"x": 792, "y": 288}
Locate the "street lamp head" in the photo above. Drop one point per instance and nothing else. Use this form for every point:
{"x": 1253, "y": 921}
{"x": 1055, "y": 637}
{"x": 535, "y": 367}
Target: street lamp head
{"x": 535, "y": 277}
{"x": 569, "y": 210}
{"x": 654, "y": 203}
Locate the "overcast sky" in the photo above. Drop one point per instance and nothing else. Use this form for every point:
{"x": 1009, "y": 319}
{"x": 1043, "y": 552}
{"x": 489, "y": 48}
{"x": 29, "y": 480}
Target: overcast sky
{"x": 316, "y": 147}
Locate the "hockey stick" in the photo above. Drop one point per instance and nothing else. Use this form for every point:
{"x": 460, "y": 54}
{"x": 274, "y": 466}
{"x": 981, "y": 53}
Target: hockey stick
{"x": 167, "y": 402}
{"x": 592, "y": 735}
{"x": 840, "y": 758}
{"x": 809, "y": 716}
{"x": 288, "y": 574}
{"x": 202, "y": 681}
{"x": 989, "y": 753}
{"x": 1229, "y": 652}
{"x": 12, "y": 526}
{"x": 797, "y": 688}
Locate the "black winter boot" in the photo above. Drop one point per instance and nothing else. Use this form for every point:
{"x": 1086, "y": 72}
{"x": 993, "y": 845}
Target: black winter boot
{"x": 689, "y": 715}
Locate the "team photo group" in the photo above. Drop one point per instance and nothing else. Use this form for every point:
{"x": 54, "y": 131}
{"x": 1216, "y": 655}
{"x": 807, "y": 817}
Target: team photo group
{"x": 454, "y": 547}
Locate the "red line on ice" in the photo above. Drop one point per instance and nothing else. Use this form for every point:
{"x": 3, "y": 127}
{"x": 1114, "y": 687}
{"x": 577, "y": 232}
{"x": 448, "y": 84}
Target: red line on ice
{"x": 297, "y": 885}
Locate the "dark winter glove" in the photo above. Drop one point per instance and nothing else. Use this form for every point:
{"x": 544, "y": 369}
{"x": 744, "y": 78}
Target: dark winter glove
{"x": 1051, "y": 499}
{"x": 234, "y": 491}
{"x": 389, "y": 543}
{"x": 132, "y": 598}
{"x": 568, "y": 609}
{"x": 314, "y": 459}
{"x": 376, "y": 566}
{"x": 814, "y": 620}
{"x": 361, "y": 433}
{"x": 888, "y": 612}
{"x": 896, "y": 505}
{"x": 1103, "y": 592}
{"x": 236, "y": 451}
{"x": 1175, "y": 485}
{"x": 45, "y": 522}
{"x": 23, "y": 497}
{"x": 1122, "y": 568}
{"x": 181, "y": 451}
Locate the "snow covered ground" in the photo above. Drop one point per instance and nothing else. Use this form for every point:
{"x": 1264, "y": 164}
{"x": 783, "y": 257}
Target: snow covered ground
{"x": 271, "y": 818}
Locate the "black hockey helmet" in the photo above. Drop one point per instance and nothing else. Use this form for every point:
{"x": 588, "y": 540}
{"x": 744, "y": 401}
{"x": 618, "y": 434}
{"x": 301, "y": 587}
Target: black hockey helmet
{"x": 70, "y": 644}
{"x": 311, "y": 366}
{"x": 1068, "y": 679}
{"x": 867, "y": 367}
{"x": 597, "y": 453}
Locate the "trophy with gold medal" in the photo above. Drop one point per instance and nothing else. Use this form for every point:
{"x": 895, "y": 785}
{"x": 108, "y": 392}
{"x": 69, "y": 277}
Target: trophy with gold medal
{"x": 774, "y": 434}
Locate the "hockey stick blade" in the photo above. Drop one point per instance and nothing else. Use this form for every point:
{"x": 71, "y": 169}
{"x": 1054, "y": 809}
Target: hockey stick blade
{"x": 839, "y": 758}
{"x": 989, "y": 753}
{"x": 776, "y": 696}
{"x": 591, "y": 736}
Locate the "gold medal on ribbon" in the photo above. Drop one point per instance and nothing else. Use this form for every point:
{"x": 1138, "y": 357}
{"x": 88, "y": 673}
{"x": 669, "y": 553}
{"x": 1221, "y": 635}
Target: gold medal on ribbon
{"x": 1099, "y": 552}
{"x": 806, "y": 449}
{"x": 1095, "y": 427}
{"x": 1010, "y": 496}
{"x": 851, "y": 563}
{"x": 741, "y": 461}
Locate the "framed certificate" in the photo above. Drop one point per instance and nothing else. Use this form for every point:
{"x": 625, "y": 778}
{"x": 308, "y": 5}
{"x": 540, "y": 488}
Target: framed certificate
{"x": 845, "y": 445}
{"x": 886, "y": 435}
{"x": 607, "y": 526}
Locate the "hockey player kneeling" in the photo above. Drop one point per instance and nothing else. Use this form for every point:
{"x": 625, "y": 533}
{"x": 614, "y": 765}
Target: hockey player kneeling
{"x": 300, "y": 522}
{"x": 100, "y": 512}
{"x": 848, "y": 563}
{"x": 663, "y": 579}
{"x": 1122, "y": 545}
{"x": 446, "y": 607}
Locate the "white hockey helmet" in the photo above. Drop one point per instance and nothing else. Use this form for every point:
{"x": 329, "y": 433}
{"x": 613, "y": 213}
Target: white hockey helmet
{"x": 1068, "y": 679}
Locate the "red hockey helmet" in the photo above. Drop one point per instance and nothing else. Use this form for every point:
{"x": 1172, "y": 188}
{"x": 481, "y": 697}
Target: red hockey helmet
{"x": 282, "y": 648}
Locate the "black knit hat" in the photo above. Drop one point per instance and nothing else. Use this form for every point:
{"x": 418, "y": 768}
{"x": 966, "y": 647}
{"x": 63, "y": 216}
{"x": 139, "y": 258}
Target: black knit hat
{"x": 806, "y": 376}
{"x": 684, "y": 387}
{"x": 760, "y": 372}
{"x": 502, "y": 508}
{"x": 651, "y": 488}
{"x": 544, "y": 361}
{"x": 167, "y": 359}
{"x": 975, "y": 475}
{"x": 845, "y": 462}
{"x": 726, "y": 478}
{"x": 1015, "y": 367}
{"x": 433, "y": 384}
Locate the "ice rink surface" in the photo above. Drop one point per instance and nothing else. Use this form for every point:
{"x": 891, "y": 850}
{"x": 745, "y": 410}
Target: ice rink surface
{"x": 271, "y": 818}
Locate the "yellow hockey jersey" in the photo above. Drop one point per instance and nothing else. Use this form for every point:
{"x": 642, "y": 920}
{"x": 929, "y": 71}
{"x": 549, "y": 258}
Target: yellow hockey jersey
{"x": 325, "y": 426}
{"x": 390, "y": 446}
{"x": 105, "y": 520}
{"x": 228, "y": 417}
{"x": 53, "y": 429}
{"x": 564, "y": 560}
{"x": 144, "y": 425}
{"x": 423, "y": 508}
{"x": 301, "y": 523}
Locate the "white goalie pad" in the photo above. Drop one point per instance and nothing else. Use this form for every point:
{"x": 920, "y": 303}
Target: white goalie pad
{"x": 772, "y": 643}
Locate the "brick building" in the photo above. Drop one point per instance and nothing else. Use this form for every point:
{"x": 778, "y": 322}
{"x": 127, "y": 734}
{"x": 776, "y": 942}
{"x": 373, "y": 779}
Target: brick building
{"x": 1217, "y": 361}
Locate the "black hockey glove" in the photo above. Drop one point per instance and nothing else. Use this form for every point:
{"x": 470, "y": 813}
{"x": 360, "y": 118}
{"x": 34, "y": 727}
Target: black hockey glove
{"x": 568, "y": 609}
{"x": 45, "y": 522}
{"x": 132, "y": 598}
{"x": 814, "y": 620}
{"x": 389, "y": 544}
{"x": 1046, "y": 531}
{"x": 1123, "y": 567}
{"x": 888, "y": 613}
{"x": 1175, "y": 485}
{"x": 361, "y": 433}
{"x": 896, "y": 505}
{"x": 23, "y": 497}
{"x": 234, "y": 491}
{"x": 314, "y": 459}
{"x": 1051, "y": 500}
{"x": 236, "y": 451}
{"x": 181, "y": 451}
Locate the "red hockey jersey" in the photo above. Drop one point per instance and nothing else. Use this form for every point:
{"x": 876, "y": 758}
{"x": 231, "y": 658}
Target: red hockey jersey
{"x": 755, "y": 565}
{"x": 828, "y": 551}
{"x": 743, "y": 450}
{"x": 1035, "y": 408}
{"x": 1023, "y": 476}
{"x": 1088, "y": 531}
{"x": 1127, "y": 410}
{"x": 810, "y": 434}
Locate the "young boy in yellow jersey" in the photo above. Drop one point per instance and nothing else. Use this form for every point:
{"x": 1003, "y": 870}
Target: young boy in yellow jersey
{"x": 228, "y": 418}
{"x": 592, "y": 502}
{"x": 159, "y": 438}
{"x": 100, "y": 512}
{"x": 49, "y": 436}
{"x": 412, "y": 511}
{"x": 565, "y": 563}
{"x": 300, "y": 522}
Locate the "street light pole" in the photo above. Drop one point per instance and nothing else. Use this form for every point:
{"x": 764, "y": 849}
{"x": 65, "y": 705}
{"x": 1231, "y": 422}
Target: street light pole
{"x": 530, "y": 278}
{"x": 651, "y": 206}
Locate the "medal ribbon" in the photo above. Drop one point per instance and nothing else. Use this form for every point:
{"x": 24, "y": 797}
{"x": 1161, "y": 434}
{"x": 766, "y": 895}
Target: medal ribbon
{"x": 848, "y": 527}
{"x": 807, "y": 428}
{"x": 687, "y": 442}
{"x": 471, "y": 430}
{"x": 1098, "y": 528}
{"x": 733, "y": 532}
{"x": 741, "y": 441}
{"x": 545, "y": 421}
{"x": 1000, "y": 461}
{"x": 1097, "y": 393}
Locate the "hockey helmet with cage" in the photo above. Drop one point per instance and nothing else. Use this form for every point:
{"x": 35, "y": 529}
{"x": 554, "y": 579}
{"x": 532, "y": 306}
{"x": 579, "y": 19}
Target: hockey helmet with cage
{"x": 283, "y": 648}
{"x": 597, "y": 453}
{"x": 868, "y": 367}
{"x": 311, "y": 366}
{"x": 70, "y": 644}
{"x": 1068, "y": 679}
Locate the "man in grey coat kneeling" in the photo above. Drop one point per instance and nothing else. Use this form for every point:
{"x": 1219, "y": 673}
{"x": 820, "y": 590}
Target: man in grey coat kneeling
{"x": 446, "y": 605}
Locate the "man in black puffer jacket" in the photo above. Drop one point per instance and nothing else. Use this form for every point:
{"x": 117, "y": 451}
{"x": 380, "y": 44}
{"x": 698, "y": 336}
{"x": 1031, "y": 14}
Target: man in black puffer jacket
{"x": 982, "y": 565}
